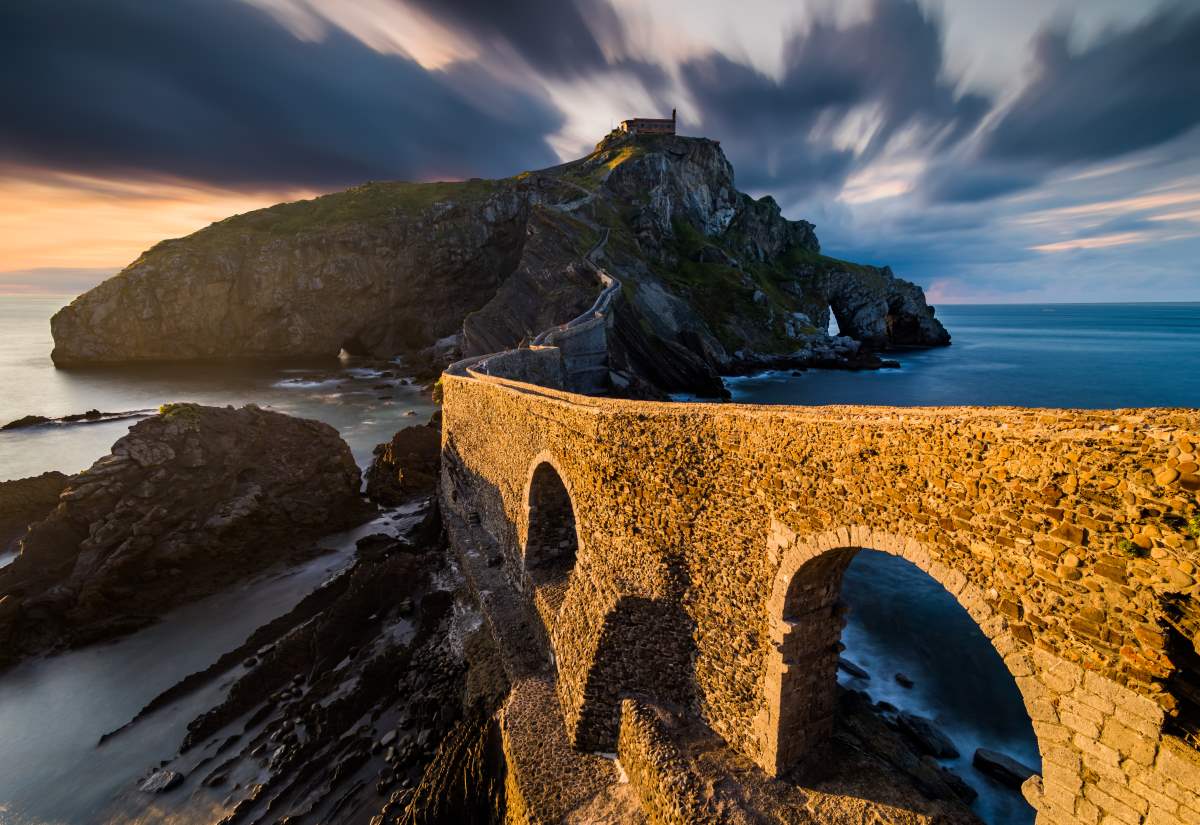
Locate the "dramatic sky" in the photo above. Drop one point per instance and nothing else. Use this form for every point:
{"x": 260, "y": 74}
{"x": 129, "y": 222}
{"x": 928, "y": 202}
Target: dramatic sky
{"x": 992, "y": 150}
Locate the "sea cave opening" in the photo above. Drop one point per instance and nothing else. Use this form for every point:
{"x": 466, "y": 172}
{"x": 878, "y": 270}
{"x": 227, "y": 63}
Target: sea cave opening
{"x": 353, "y": 347}
{"x": 875, "y": 634}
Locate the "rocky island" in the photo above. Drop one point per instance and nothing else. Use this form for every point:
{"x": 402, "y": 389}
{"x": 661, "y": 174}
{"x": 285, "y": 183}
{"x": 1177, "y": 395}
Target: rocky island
{"x": 712, "y": 281}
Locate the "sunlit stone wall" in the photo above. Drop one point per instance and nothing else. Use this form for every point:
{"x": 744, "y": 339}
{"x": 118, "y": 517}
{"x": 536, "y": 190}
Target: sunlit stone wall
{"x": 1060, "y": 532}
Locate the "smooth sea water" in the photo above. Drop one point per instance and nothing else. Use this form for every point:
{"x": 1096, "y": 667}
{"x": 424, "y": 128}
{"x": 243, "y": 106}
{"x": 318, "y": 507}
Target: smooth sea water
{"x": 51, "y": 711}
{"x": 900, "y": 620}
{"x": 1030, "y": 355}
{"x": 365, "y": 407}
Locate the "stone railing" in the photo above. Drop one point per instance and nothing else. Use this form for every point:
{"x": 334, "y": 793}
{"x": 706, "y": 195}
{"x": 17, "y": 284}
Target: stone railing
{"x": 724, "y": 529}
{"x": 571, "y": 356}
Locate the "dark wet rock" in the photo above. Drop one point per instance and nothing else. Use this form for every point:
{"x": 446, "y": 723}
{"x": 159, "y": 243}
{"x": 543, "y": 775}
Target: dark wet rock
{"x": 926, "y": 736}
{"x": 186, "y": 503}
{"x": 407, "y": 465}
{"x": 344, "y": 720}
{"x": 26, "y": 421}
{"x": 1004, "y": 769}
{"x": 848, "y": 667}
{"x": 957, "y": 784}
{"x": 903, "y": 681}
{"x": 161, "y": 781}
{"x": 89, "y": 417}
{"x": 376, "y": 545}
{"x": 24, "y": 501}
{"x": 863, "y": 728}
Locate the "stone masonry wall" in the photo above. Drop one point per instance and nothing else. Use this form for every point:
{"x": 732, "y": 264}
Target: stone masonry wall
{"x": 1061, "y": 532}
{"x": 670, "y": 794}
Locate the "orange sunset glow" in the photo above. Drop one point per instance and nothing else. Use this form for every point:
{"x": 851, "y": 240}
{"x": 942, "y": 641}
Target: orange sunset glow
{"x": 68, "y": 220}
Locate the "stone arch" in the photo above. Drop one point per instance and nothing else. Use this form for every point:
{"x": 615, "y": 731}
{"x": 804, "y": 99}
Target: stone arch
{"x": 805, "y": 621}
{"x": 550, "y": 544}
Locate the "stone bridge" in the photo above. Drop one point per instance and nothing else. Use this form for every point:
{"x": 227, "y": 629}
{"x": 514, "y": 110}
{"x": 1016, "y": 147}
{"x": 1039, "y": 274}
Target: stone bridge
{"x": 692, "y": 554}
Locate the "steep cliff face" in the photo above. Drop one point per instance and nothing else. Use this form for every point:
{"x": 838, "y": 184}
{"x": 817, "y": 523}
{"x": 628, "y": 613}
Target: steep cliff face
{"x": 379, "y": 269}
{"x": 713, "y": 280}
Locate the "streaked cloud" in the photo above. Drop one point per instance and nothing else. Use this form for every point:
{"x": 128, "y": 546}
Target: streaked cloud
{"x": 1096, "y": 242}
{"x": 992, "y": 150}
{"x": 218, "y": 91}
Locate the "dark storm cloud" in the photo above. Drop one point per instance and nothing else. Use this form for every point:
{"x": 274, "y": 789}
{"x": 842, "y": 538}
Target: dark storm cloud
{"x": 952, "y": 181}
{"x": 217, "y": 91}
{"x": 1131, "y": 90}
{"x": 557, "y": 38}
{"x": 893, "y": 59}
{"x": 553, "y": 36}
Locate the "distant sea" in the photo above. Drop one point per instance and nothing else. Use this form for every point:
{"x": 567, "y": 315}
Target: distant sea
{"x": 1029, "y": 355}
{"x": 51, "y": 711}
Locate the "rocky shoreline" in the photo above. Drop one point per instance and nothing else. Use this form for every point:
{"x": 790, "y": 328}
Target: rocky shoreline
{"x": 191, "y": 500}
{"x": 371, "y": 701}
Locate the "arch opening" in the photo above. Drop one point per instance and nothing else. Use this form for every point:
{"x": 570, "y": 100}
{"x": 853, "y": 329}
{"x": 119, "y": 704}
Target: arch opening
{"x": 353, "y": 347}
{"x": 866, "y": 632}
{"x": 552, "y": 543}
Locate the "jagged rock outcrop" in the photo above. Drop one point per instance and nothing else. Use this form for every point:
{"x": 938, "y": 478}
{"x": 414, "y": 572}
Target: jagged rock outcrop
{"x": 371, "y": 700}
{"x": 407, "y": 465}
{"x": 712, "y": 279}
{"x": 188, "y": 501}
{"x": 24, "y": 501}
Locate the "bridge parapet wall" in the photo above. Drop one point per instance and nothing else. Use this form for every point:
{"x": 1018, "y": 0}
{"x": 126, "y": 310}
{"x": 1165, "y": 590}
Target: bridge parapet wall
{"x": 1061, "y": 532}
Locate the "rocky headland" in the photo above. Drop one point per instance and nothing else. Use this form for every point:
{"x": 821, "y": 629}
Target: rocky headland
{"x": 712, "y": 280}
{"x": 191, "y": 500}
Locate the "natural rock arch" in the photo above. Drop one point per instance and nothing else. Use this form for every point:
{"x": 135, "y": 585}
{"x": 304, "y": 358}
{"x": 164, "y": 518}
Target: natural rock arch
{"x": 805, "y": 621}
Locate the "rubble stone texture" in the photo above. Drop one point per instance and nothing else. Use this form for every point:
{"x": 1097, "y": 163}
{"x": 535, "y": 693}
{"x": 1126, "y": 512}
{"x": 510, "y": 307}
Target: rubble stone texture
{"x": 710, "y": 541}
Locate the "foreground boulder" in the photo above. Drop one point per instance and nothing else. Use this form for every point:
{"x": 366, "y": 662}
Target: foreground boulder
{"x": 407, "y": 465}
{"x": 190, "y": 500}
{"x": 25, "y": 501}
